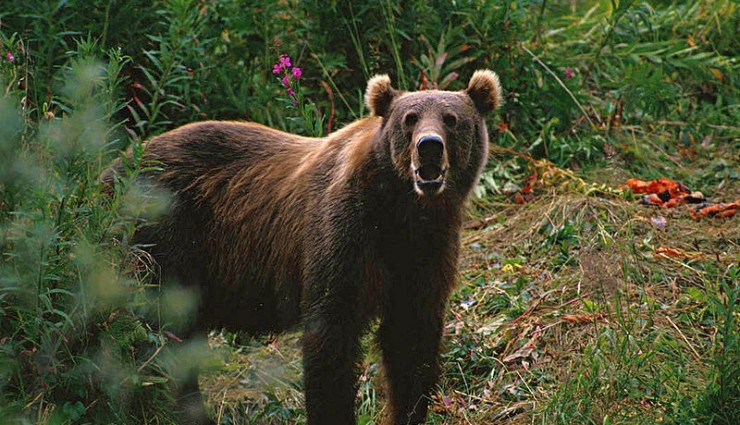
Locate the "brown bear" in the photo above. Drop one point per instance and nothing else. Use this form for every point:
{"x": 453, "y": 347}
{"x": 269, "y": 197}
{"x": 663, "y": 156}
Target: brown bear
{"x": 276, "y": 230}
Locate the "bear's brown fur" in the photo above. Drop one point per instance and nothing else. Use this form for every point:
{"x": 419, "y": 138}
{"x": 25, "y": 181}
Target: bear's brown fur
{"x": 276, "y": 230}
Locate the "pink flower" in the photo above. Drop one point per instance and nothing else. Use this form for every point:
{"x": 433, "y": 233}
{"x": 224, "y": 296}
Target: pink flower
{"x": 283, "y": 66}
{"x": 569, "y": 73}
{"x": 10, "y": 56}
{"x": 284, "y": 61}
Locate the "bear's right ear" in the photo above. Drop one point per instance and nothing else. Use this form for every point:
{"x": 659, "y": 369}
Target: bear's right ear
{"x": 485, "y": 90}
{"x": 379, "y": 95}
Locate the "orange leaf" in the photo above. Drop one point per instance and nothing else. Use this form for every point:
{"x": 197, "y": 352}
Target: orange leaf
{"x": 677, "y": 253}
{"x": 674, "y": 202}
{"x": 718, "y": 210}
{"x": 652, "y": 199}
{"x": 661, "y": 185}
{"x": 718, "y": 74}
{"x": 726, "y": 213}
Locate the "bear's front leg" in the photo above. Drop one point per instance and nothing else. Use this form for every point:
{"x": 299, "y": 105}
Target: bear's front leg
{"x": 190, "y": 406}
{"x": 409, "y": 337}
{"x": 331, "y": 355}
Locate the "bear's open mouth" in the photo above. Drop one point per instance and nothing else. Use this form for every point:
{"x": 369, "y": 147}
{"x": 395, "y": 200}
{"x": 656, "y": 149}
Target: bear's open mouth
{"x": 430, "y": 178}
{"x": 429, "y": 172}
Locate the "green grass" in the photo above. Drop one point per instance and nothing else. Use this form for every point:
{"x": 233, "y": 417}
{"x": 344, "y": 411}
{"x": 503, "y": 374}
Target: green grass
{"x": 565, "y": 312}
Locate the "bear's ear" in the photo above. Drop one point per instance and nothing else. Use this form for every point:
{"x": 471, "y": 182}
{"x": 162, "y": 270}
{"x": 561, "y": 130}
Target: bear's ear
{"x": 379, "y": 95}
{"x": 485, "y": 90}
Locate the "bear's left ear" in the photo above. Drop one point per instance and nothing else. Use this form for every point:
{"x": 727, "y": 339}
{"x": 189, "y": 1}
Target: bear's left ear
{"x": 485, "y": 90}
{"x": 379, "y": 95}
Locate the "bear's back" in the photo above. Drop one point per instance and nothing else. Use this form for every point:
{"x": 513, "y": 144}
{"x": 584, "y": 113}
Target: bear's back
{"x": 244, "y": 199}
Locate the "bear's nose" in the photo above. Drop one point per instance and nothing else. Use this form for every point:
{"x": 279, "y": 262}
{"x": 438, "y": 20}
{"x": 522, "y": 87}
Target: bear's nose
{"x": 429, "y": 171}
{"x": 430, "y": 147}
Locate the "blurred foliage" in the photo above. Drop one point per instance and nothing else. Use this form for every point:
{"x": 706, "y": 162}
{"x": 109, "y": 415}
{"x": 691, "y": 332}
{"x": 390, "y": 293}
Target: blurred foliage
{"x": 82, "y": 80}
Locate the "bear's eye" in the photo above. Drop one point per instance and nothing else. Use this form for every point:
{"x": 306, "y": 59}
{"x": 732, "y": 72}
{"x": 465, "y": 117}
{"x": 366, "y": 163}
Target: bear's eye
{"x": 410, "y": 119}
{"x": 449, "y": 120}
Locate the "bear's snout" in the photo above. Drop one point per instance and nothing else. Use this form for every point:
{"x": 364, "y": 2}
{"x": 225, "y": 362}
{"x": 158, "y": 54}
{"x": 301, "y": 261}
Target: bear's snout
{"x": 431, "y": 148}
{"x": 430, "y": 169}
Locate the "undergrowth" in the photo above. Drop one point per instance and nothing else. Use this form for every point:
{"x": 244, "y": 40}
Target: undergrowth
{"x": 566, "y": 312}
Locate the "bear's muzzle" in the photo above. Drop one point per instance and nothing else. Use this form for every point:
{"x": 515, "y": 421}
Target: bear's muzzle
{"x": 429, "y": 172}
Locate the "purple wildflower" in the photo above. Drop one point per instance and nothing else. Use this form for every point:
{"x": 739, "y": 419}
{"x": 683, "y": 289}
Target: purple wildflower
{"x": 10, "y": 56}
{"x": 659, "y": 221}
{"x": 281, "y": 65}
{"x": 285, "y": 71}
{"x": 569, "y": 73}
{"x": 285, "y": 61}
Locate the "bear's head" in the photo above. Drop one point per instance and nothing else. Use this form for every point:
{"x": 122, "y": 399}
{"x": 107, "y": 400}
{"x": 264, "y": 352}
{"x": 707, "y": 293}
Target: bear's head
{"x": 435, "y": 139}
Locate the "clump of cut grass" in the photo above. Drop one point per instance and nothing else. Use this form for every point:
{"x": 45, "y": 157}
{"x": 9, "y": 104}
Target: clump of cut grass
{"x": 570, "y": 316}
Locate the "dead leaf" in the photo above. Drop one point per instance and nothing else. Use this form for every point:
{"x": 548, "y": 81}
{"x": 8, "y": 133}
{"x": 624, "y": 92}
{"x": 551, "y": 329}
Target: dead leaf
{"x": 717, "y": 210}
{"x": 667, "y": 193}
{"x": 527, "y": 349}
{"x": 659, "y": 186}
{"x": 172, "y": 336}
{"x": 678, "y": 253}
{"x": 584, "y": 318}
{"x": 522, "y": 199}
{"x": 718, "y": 74}
{"x": 652, "y": 199}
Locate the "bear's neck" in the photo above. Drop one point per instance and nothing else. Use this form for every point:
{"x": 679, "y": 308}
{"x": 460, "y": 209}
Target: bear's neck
{"x": 399, "y": 206}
